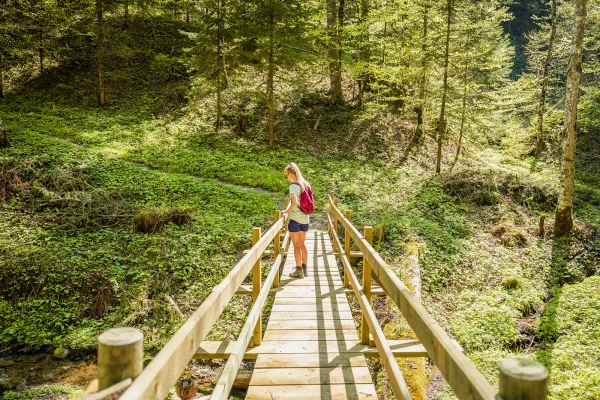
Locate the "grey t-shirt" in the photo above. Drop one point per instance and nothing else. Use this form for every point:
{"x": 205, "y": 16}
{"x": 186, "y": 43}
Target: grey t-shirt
{"x": 297, "y": 215}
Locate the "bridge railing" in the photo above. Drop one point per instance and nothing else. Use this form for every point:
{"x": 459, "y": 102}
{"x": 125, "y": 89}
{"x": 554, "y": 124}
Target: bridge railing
{"x": 155, "y": 381}
{"x": 467, "y": 382}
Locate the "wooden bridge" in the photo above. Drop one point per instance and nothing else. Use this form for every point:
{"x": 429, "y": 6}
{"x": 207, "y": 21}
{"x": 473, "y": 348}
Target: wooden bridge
{"x": 311, "y": 348}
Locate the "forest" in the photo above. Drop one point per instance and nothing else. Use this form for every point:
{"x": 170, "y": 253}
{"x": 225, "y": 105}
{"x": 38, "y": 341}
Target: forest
{"x": 142, "y": 140}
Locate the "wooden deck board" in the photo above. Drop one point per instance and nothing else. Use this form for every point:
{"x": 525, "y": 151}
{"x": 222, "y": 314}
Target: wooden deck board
{"x": 316, "y": 360}
{"x": 310, "y": 376}
{"x": 305, "y": 352}
{"x": 365, "y": 391}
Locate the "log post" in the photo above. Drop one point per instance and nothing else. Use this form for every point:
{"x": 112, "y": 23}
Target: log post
{"x": 331, "y": 214}
{"x": 335, "y": 221}
{"x": 366, "y": 283}
{"x": 287, "y": 245}
{"x": 256, "y": 283}
{"x": 347, "y": 247}
{"x": 523, "y": 379}
{"x": 541, "y": 226}
{"x": 276, "y": 247}
{"x": 120, "y": 356}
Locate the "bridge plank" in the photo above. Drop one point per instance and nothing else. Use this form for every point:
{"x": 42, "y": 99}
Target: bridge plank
{"x": 315, "y": 360}
{"x": 310, "y": 334}
{"x": 313, "y": 392}
{"x": 310, "y": 376}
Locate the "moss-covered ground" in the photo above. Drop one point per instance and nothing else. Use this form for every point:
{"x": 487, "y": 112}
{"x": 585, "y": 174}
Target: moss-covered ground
{"x": 71, "y": 264}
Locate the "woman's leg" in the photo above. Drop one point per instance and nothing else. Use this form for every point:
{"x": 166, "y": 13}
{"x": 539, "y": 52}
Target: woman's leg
{"x": 298, "y": 242}
{"x": 302, "y": 245}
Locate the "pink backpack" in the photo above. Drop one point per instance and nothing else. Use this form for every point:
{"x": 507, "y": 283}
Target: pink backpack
{"x": 307, "y": 201}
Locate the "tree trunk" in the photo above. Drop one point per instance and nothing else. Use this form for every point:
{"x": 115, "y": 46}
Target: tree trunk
{"x": 271, "y": 72}
{"x": 126, "y": 10}
{"x": 442, "y": 122}
{"x": 41, "y": 53}
{"x": 563, "y": 222}
{"x": 100, "y": 46}
{"x": 340, "y": 34}
{"x": 3, "y": 136}
{"x": 335, "y": 73}
{"x": 462, "y": 115}
{"x": 540, "y": 141}
{"x": 420, "y": 109}
{"x": 364, "y": 51}
{"x": 1, "y": 80}
{"x": 219, "y": 65}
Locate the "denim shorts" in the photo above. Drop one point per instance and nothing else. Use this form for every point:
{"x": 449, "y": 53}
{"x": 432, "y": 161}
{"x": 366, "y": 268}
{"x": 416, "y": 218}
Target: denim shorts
{"x": 294, "y": 226}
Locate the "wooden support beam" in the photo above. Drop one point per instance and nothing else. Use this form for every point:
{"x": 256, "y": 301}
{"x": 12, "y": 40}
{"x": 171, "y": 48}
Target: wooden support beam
{"x": 256, "y": 282}
{"x": 158, "y": 377}
{"x": 277, "y": 247}
{"x": 387, "y": 358}
{"x": 347, "y": 247}
{"x": 366, "y": 282}
{"x": 459, "y": 372}
{"x": 222, "y": 350}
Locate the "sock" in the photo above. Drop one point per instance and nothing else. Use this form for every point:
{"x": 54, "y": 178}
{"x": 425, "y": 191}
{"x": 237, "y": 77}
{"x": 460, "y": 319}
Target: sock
{"x": 303, "y": 265}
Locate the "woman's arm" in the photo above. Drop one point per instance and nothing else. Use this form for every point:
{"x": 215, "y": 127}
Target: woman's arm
{"x": 293, "y": 204}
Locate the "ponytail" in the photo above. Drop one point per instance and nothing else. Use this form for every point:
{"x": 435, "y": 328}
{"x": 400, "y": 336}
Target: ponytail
{"x": 293, "y": 168}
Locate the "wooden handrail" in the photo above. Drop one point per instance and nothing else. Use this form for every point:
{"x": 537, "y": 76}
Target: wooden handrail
{"x": 158, "y": 377}
{"x": 223, "y": 387}
{"x": 387, "y": 358}
{"x": 466, "y": 381}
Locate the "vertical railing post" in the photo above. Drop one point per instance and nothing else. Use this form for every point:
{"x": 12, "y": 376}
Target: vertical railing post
{"x": 287, "y": 245}
{"x": 366, "y": 283}
{"x": 347, "y": 247}
{"x": 523, "y": 379}
{"x": 330, "y": 213}
{"x": 276, "y": 247}
{"x": 335, "y": 221}
{"x": 120, "y": 356}
{"x": 256, "y": 283}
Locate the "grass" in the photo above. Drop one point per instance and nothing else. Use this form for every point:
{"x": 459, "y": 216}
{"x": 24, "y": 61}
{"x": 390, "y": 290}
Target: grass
{"x": 56, "y": 391}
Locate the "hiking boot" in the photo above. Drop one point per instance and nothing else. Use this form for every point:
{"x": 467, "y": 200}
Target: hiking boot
{"x": 304, "y": 271}
{"x": 297, "y": 273}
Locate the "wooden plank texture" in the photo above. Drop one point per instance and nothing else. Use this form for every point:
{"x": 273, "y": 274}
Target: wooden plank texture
{"x": 313, "y": 392}
{"x": 310, "y": 349}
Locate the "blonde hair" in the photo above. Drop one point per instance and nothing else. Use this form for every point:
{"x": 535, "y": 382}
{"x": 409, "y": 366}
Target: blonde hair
{"x": 186, "y": 388}
{"x": 293, "y": 168}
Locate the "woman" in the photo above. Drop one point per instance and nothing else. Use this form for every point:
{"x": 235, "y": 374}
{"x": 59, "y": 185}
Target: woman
{"x": 298, "y": 221}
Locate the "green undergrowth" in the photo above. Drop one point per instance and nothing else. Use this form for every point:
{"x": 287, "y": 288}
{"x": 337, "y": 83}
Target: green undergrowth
{"x": 571, "y": 328}
{"x": 68, "y": 273}
{"x": 57, "y": 391}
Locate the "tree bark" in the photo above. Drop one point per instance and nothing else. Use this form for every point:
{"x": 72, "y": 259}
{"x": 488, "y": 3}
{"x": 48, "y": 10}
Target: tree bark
{"x": 219, "y": 64}
{"x": 335, "y": 72}
{"x": 462, "y": 116}
{"x": 271, "y": 73}
{"x": 3, "y": 136}
{"x": 563, "y": 222}
{"x": 100, "y": 46}
{"x": 420, "y": 109}
{"x": 364, "y": 51}
{"x": 442, "y": 122}
{"x": 41, "y": 53}
{"x": 540, "y": 141}
{"x": 1, "y": 80}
